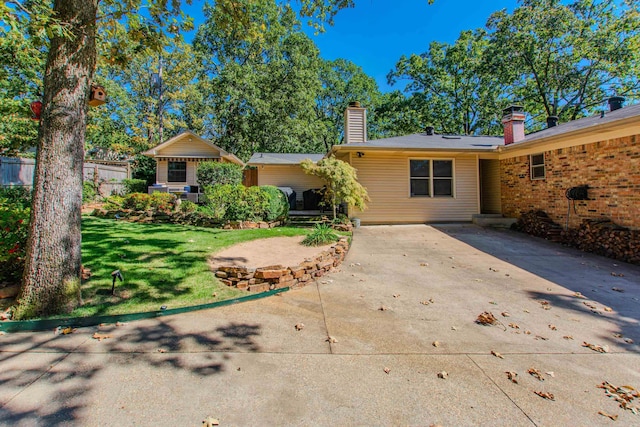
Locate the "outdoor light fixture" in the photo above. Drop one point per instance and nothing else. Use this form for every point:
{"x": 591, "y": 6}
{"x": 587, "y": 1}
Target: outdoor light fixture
{"x": 359, "y": 154}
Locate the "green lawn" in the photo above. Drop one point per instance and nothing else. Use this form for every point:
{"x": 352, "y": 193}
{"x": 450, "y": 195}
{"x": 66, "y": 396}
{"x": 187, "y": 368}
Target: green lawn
{"x": 162, "y": 264}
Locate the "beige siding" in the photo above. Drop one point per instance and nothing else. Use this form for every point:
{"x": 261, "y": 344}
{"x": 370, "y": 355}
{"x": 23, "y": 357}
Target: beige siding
{"x": 386, "y": 177}
{"x": 162, "y": 172}
{"x": 490, "y": 170}
{"x": 188, "y": 146}
{"x": 288, "y": 176}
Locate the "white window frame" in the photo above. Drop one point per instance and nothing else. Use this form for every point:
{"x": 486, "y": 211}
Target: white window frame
{"x": 542, "y": 166}
{"x": 431, "y": 178}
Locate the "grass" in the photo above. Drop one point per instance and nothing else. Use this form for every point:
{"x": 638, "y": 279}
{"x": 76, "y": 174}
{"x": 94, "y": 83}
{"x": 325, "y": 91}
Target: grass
{"x": 162, "y": 264}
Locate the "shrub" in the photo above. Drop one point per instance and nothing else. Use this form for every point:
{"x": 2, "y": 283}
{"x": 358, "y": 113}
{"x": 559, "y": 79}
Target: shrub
{"x": 114, "y": 202}
{"x": 137, "y": 201}
{"x": 134, "y": 186}
{"x": 226, "y": 202}
{"x": 164, "y": 202}
{"x": 277, "y": 205}
{"x": 188, "y": 207}
{"x": 144, "y": 168}
{"x": 322, "y": 234}
{"x": 14, "y": 228}
{"x": 88, "y": 192}
{"x": 16, "y": 195}
{"x": 217, "y": 173}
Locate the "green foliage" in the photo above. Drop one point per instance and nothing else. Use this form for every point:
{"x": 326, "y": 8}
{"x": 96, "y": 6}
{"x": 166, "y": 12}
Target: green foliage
{"x": 239, "y": 203}
{"x": 277, "y": 205}
{"x": 218, "y": 173}
{"x": 137, "y": 201}
{"x": 20, "y": 196}
{"x": 321, "y": 234}
{"x": 341, "y": 180}
{"x": 134, "y": 185}
{"x": 162, "y": 202}
{"x": 88, "y": 192}
{"x": 14, "y": 228}
{"x": 188, "y": 207}
{"x": 144, "y": 167}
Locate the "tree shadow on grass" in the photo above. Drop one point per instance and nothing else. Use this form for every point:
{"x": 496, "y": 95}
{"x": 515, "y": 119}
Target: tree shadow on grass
{"x": 603, "y": 281}
{"x": 60, "y": 385}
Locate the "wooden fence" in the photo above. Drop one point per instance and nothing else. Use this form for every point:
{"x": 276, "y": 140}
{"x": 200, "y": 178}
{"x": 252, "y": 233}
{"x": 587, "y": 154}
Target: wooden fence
{"x": 18, "y": 172}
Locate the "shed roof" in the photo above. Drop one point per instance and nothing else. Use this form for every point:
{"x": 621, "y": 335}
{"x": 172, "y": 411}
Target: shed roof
{"x": 282, "y": 158}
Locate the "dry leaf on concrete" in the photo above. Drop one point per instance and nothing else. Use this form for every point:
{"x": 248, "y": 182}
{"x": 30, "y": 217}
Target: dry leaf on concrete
{"x": 536, "y": 374}
{"x": 331, "y": 340}
{"x": 386, "y": 370}
{"x": 567, "y": 337}
{"x": 617, "y": 289}
{"x": 579, "y": 295}
{"x": 540, "y": 337}
{"x": 604, "y": 414}
{"x": 424, "y": 302}
{"x": 505, "y": 314}
{"x": 444, "y": 375}
{"x": 100, "y": 337}
{"x": 210, "y": 421}
{"x": 396, "y": 295}
{"x": 545, "y": 395}
{"x": 628, "y": 340}
{"x": 594, "y": 347}
{"x": 299, "y": 326}
{"x": 514, "y": 326}
{"x": 436, "y": 344}
{"x": 607, "y": 309}
{"x": 486, "y": 318}
{"x": 383, "y": 308}
{"x": 553, "y": 327}
{"x": 512, "y": 376}
{"x": 68, "y": 330}
{"x": 496, "y": 354}
{"x": 162, "y": 350}
{"x": 551, "y": 374}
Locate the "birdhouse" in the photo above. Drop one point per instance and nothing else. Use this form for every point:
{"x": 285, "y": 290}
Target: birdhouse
{"x": 98, "y": 96}
{"x": 36, "y": 108}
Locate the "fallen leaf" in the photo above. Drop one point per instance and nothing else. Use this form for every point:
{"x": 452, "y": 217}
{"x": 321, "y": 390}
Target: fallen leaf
{"x": 543, "y": 302}
{"x": 444, "y": 375}
{"x": 424, "y": 264}
{"x": 598, "y": 348}
{"x": 526, "y": 311}
{"x": 386, "y": 370}
{"x": 608, "y": 309}
{"x": 496, "y": 354}
{"x": 396, "y": 295}
{"x": 486, "y": 318}
{"x": 612, "y": 417}
{"x": 299, "y": 326}
{"x": 505, "y": 314}
{"x": 579, "y": 295}
{"x": 590, "y": 305}
{"x": 431, "y": 300}
{"x": 617, "y": 335}
{"x": 514, "y": 326}
{"x": 162, "y": 350}
{"x": 100, "y": 337}
{"x": 493, "y": 302}
{"x": 567, "y": 337}
{"x": 331, "y": 340}
{"x": 617, "y": 289}
{"x": 628, "y": 340}
{"x": 544, "y": 395}
{"x": 436, "y": 344}
{"x": 453, "y": 328}
{"x": 383, "y": 308}
{"x": 512, "y": 376}
{"x": 540, "y": 337}
{"x": 551, "y": 374}
{"x": 68, "y": 330}
{"x": 553, "y": 327}
{"x": 121, "y": 323}
{"x": 210, "y": 421}
{"x": 424, "y": 302}
{"x": 536, "y": 374}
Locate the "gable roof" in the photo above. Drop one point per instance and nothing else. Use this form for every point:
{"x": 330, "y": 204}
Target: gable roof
{"x": 153, "y": 152}
{"x": 422, "y": 141}
{"x": 282, "y": 158}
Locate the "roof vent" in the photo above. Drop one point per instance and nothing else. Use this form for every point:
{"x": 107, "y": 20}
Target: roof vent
{"x": 430, "y": 130}
{"x": 615, "y": 103}
{"x": 552, "y": 121}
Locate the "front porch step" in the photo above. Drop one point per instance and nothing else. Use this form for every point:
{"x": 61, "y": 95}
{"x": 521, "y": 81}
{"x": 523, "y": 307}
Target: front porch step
{"x": 492, "y": 220}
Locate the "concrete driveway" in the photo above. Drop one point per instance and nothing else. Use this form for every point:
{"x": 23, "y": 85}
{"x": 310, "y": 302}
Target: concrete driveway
{"x": 401, "y": 289}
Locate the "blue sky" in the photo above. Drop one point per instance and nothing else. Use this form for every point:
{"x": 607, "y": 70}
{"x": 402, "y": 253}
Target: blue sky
{"x": 375, "y": 33}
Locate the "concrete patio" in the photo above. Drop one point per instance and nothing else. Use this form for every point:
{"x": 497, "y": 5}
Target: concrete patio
{"x": 401, "y": 289}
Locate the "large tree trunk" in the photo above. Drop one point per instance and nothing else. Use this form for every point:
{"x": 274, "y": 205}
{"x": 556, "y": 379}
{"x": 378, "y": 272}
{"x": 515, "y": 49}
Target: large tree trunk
{"x": 51, "y": 281}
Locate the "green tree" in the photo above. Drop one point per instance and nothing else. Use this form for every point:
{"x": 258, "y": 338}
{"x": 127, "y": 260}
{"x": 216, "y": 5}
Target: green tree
{"x": 564, "y": 59}
{"x": 453, "y": 88}
{"x": 341, "y": 182}
{"x": 260, "y": 82}
{"x": 52, "y": 270}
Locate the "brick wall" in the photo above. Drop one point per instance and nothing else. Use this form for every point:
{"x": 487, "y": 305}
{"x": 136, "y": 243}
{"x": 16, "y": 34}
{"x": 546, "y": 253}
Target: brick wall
{"x": 611, "y": 169}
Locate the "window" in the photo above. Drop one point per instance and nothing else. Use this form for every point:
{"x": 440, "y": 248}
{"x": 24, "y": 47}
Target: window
{"x": 431, "y": 178}
{"x": 537, "y": 166}
{"x": 177, "y": 172}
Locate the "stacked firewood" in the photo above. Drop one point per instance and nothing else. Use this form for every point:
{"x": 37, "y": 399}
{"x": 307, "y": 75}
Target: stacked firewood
{"x": 538, "y": 223}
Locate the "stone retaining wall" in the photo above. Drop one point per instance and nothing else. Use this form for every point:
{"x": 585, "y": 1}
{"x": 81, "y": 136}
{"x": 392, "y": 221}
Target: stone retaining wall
{"x": 263, "y": 279}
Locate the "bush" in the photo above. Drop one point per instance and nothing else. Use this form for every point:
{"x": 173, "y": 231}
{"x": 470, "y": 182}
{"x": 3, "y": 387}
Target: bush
{"x": 88, "y": 192}
{"x": 114, "y": 202}
{"x": 14, "y": 228}
{"x": 16, "y": 195}
{"x": 239, "y": 203}
{"x": 134, "y": 186}
{"x": 164, "y": 202}
{"x": 217, "y": 173}
{"x": 144, "y": 168}
{"x": 277, "y": 205}
{"x": 188, "y": 207}
{"x": 322, "y": 234}
{"x": 137, "y": 201}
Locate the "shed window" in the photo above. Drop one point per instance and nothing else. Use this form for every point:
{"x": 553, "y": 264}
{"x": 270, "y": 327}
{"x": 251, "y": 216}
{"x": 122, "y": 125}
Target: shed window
{"x": 177, "y": 172}
{"x": 431, "y": 178}
{"x": 537, "y": 166}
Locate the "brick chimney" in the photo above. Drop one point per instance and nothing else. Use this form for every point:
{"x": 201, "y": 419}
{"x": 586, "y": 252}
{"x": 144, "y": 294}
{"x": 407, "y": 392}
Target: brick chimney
{"x": 355, "y": 124}
{"x": 513, "y": 122}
